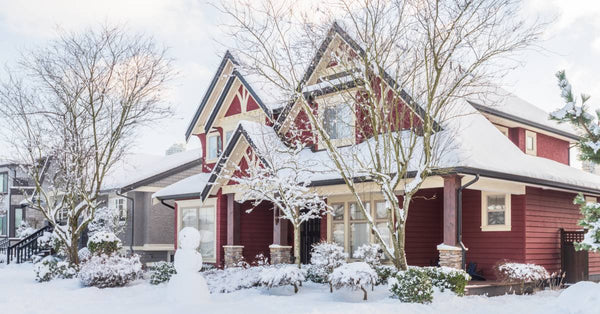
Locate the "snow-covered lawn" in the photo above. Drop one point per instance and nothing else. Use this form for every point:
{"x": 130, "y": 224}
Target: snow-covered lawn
{"x": 19, "y": 293}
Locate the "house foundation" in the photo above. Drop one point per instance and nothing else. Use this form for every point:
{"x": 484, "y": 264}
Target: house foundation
{"x": 233, "y": 255}
{"x": 280, "y": 254}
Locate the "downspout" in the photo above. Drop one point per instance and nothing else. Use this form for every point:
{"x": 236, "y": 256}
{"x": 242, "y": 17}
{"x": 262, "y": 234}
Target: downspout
{"x": 459, "y": 218}
{"x": 118, "y": 192}
{"x": 163, "y": 202}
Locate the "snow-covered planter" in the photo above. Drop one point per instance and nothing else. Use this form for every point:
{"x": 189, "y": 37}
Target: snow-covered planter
{"x": 284, "y": 275}
{"x": 446, "y": 278}
{"x": 519, "y": 272}
{"x": 371, "y": 254}
{"x": 412, "y": 285}
{"x": 105, "y": 271}
{"x": 162, "y": 272}
{"x": 324, "y": 259}
{"x": 355, "y": 276}
{"x": 50, "y": 267}
{"x": 104, "y": 242}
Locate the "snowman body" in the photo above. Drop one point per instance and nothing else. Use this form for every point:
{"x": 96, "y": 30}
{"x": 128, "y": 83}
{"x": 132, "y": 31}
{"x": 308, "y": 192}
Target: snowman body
{"x": 188, "y": 285}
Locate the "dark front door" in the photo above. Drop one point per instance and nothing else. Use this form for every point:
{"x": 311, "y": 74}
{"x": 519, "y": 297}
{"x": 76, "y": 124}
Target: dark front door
{"x": 573, "y": 263}
{"x": 309, "y": 235}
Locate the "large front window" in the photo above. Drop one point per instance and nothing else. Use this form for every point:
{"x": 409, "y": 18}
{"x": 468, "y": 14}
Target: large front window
{"x": 495, "y": 212}
{"x": 201, "y": 218}
{"x": 337, "y": 121}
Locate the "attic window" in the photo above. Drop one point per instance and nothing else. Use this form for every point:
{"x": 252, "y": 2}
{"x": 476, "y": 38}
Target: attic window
{"x": 531, "y": 143}
{"x": 213, "y": 146}
{"x": 337, "y": 121}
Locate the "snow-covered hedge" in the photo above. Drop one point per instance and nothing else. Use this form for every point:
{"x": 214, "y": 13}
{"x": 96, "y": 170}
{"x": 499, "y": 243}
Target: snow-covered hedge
{"x": 232, "y": 278}
{"x": 355, "y": 276}
{"x": 84, "y": 254}
{"x": 105, "y": 271}
{"x": 104, "y": 242}
{"x": 446, "y": 278}
{"x": 518, "y": 272}
{"x": 162, "y": 272}
{"x": 324, "y": 259}
{"x": 51, "y": 267}
{"x": 282, "y": 275}
{"x": 384, "y": 273}
{"x": 412, "y": 285}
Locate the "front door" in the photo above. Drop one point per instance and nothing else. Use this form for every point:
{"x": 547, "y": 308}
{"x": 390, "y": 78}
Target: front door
{"x": 310, "y": 233}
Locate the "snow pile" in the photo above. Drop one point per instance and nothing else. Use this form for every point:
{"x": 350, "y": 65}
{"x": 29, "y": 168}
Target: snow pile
{"x": 582, "y": 297}
{"x": 282, "y": 275}
{"x": 521, "y": 272}
{"x": 105, "y": 271}
{"x": 355, "y": 276}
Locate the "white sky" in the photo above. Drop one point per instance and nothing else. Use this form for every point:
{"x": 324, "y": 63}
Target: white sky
{"x": 190, "y": 28}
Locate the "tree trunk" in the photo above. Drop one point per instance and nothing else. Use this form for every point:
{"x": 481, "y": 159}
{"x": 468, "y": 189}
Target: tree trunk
{"x": 297, "y": 245}
{"x": 330, "y": 288}
{"x": 295, "y": 288}
{"x": 400, "y": 253}
{"x": 365, "y": 293}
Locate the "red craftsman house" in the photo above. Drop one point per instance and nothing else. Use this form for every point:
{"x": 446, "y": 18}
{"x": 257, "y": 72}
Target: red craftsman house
{"x": 517, "y": 161}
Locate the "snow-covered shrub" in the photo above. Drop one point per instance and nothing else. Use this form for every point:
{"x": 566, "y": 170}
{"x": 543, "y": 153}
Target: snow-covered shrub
{"x": 384, "y": 272}
{"x": 84, "y": 254}
{"x": 104, "y": 242}
{"x": 51, "y": 267}
{"x": 260, "y": 260}
{"x": 355, "y": 276}
{"x": 24, "y": 230}
{"x": 590, "y": 221}
{"x": 371, "y": 254}
{"x": 448, "y": 278}
{"x": 106, "y": 219}
{"x": 324, "y": 259}
{"x": 518, "y": 272}
{"x": 232, "y": 278}
{"x": 162, "y": 272}
{"x": 412, "y": 285}
{"x": 282, "y": 275}
{"x": 105, "y": 271}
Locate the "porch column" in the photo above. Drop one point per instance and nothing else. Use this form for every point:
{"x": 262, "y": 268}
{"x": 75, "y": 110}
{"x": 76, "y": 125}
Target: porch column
{"x": 233, "y": 249}
{"x": 281, "y": 252}
{"x": 450, "y": 252}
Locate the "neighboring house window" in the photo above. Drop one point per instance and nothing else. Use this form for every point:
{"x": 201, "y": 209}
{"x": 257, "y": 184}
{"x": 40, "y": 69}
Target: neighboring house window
{"x": 530, "y": 143}
{"x": 4, "y": 182}
{"x": 214, "y": 146}
{"x": 3, "y": 225}
{"x": 18, "y": 217}
{"x": 495, "y": 211}
{"x": 337, "y": 121}
{"x": 121, "y": 205}
{"x": 201, "y": 217}
{"x": 502, "y": 129}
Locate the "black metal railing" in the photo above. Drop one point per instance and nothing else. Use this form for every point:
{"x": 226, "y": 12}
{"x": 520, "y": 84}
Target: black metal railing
{"x": 26, "y": 248}
{"x": 4, "y": 244}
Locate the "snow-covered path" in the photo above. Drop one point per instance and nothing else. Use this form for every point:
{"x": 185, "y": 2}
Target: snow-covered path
{"x": 19, "y": 293}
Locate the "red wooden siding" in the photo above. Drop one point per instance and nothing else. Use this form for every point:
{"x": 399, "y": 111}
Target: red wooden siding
{"x": 517, "y": 136}
{"x": 235, "y": 106}
{"x": 302, "y": 129}
{"x": 552, "y": 148}
{"x": 489, "y": 247}
{"x": 424, "y": 228}
{"x": 256, "y": 229}
{"x": 547, "y": 212}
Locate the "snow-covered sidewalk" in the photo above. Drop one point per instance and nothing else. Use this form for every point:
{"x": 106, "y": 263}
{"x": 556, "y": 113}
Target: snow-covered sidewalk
{"x": 19, "y": 293}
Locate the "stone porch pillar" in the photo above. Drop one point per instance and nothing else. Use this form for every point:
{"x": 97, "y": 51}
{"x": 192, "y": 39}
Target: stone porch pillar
{"x": 450, "y": 252}
{"x": 281, "y": 252}
{"x": 233, "y": 249}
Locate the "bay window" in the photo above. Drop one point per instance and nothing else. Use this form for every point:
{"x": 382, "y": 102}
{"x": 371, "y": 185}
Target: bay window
{"x": 495, "y": 212}
{"x": 201, "y": 217}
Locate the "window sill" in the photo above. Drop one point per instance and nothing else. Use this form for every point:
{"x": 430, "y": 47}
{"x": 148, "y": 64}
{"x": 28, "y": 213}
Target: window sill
{"x": 496, "y": 228}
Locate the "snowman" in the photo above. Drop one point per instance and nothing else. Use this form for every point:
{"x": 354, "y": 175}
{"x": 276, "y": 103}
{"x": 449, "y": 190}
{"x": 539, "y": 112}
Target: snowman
{"x": 188, "y": 285}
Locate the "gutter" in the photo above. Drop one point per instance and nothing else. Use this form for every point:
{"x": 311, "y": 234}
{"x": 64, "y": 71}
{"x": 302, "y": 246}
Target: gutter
{"x": 168, "y": 205}
{"x": 118, "y": 192}
{"x": 459, "y": 219}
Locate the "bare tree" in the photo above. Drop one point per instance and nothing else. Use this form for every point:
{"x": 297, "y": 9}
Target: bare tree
{"x": 71, "y": 109}
{"x": 402, "y": 68}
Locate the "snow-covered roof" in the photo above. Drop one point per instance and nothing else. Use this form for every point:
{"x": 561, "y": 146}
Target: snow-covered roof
{"x": 160, "y": 166}
{"x": 190, "y": 186}
{"x": 498, "y": 101}
{"x": 130, "y": 166}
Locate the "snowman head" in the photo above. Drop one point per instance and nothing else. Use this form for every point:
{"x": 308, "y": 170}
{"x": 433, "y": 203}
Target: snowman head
{"x": 189, "y": 238}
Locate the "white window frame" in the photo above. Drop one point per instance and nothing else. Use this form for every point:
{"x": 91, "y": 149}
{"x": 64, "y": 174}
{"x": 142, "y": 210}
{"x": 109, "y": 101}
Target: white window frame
{"x": 533, "y": 136}
{"x": 210, "y": 158}
{"x": 484, "y": 212}
{"x": 197, "y": 204}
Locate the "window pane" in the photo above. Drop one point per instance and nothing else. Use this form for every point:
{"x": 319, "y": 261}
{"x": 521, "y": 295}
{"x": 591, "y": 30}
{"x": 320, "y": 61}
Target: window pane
{"x": 3, "y": 225}
{"x": 359, "y": 233}
{"x": 329, "y": 122}
{"x": 385, "y": 232}
{"x": 338, "y": 234}
{"x": 344, "y": 119}
{"x": 529, "y": 141}
{"x": 189, "y": 218}
{"x": 496, "y": 202}
{"x": 338, "y": 211}
{"x": 380, "y": 210}
{"x": 206, "y": 227}
{"x": 496, "y": 218}
{"x": 356, "y": 213}
{"x": 214, "y": 146}
{"x": 3, "y": 182}
{"x": 228, "y": 136}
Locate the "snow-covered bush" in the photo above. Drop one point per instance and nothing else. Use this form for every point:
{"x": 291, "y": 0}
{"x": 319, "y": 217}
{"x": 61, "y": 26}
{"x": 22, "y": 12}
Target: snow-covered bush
{"x": 355, "y": 276}
{"x": 84, "y": 254}
{"x": 162, "y": 272}
{"x": 106, "y": 219}
{"x": 51, "y": 267}
{"x": 446, "y": 278}
{"x": 260, "y": 260}
{"x": 412, "y": 285}
{"x": 518, "y": 272}
{"x": 384, "y": 272}
{"x": 324, "y": 259}
{"x": 282, "y": 275}
{"x": 104, "y": 242}
{"x": 24, "y": 230}
{"x": 371, "y": 254}
{"x": 590, "y": 221}
{"x": 232, "y": 278}
{"x": 105, "y": 271}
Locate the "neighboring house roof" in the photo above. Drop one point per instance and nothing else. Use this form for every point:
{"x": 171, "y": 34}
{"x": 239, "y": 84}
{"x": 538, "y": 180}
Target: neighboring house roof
{"x": 504, "y": 104}
{"x": 190, "y": 187}
{"x": 158, "y": 168}
{"x": 129, "y": 166}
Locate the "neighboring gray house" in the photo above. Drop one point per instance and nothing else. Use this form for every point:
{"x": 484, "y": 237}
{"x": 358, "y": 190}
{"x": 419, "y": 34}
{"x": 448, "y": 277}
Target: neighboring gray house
{"x": 134, "y": 183}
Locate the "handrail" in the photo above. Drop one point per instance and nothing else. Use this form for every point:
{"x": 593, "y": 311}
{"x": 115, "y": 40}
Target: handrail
{"x": 26, "y": 247}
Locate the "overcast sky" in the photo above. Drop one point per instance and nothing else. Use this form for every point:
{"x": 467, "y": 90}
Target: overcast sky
{"x": 189, "y": 28}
